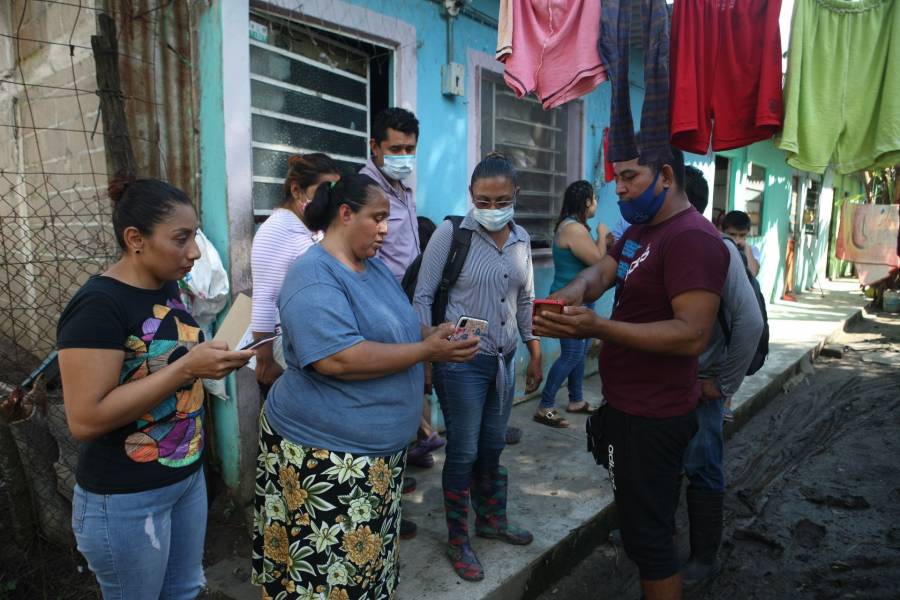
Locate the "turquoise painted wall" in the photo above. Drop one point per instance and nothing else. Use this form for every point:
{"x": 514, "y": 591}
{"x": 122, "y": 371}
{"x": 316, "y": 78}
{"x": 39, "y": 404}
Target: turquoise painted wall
{"x": 776, "y": 209}
{"x": 214, "y": 210}
{"x": 442, "y": 177}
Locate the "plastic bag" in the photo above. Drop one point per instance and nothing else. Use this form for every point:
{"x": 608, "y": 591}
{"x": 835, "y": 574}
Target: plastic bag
{"x": 205, "y": 288}
{"x": 205, "y": 291}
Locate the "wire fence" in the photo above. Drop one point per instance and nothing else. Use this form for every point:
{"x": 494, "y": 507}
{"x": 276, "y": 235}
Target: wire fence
{"x": 56, "y": 230}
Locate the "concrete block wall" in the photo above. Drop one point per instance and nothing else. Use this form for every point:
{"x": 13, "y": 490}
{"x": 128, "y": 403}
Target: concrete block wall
{"x": 54, "y": 213}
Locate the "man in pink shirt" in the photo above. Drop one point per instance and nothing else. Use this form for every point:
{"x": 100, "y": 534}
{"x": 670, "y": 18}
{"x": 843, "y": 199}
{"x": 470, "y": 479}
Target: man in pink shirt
{"x": 395, "y": 134}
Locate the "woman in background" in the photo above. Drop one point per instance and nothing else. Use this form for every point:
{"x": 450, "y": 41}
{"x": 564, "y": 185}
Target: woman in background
{"x": 573, "y": 251}
{"x": 280, "y": 240}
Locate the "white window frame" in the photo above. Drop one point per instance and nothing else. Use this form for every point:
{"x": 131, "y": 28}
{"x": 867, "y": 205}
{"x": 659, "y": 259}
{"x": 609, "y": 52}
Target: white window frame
{"x": 334, "y": 15}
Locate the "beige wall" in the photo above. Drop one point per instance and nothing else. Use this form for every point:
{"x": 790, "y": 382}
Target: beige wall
{"x": 54, "y": 217}
{"x": 55, "y": 225}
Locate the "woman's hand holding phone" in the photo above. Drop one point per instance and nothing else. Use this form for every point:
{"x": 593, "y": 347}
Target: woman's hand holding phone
{"x": 212, "y": 360}
{"x": 442, "y": 349}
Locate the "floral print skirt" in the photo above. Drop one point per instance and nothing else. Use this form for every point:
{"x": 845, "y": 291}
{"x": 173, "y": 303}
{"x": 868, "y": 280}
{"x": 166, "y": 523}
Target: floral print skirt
{"x": 327, "y": 524}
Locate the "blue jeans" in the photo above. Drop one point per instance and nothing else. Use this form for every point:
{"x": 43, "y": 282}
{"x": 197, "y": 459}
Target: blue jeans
{"x": 570, "y": 364}
{"x": 475, "y": 416}
{"x": 705, "y": 453}
{"x": 144, "y": 545}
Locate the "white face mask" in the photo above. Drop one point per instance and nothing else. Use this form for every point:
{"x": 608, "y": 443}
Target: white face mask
{"x": 398, "y": 166}
{"x": 493, "y": 219}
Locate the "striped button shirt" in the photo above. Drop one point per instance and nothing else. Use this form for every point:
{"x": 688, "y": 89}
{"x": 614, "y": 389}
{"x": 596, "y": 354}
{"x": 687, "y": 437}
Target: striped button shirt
{"x": 276, "y": 245}
{"x": 495, "y": 285}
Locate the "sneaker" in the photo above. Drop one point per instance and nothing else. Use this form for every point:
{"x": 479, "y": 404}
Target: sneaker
{"x": 432, "y": 442}
{"x": 419, "y": 456}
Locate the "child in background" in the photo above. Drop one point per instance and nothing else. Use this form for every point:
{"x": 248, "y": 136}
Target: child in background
{"x": 736, "y": 225}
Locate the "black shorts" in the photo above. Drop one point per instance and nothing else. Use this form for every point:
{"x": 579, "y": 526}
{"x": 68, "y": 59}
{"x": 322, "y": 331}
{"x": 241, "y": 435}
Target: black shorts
{"x": 645, "y": 458}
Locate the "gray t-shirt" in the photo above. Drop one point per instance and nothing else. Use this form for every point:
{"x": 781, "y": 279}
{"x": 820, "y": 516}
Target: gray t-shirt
{"x": 325, "y": 308}
{"x": 728, "y": 363}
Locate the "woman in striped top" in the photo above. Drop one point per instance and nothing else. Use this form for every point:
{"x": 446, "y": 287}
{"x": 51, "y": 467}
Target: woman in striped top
{"x": 277, "y": 244}
{"x": 497, "y": 285}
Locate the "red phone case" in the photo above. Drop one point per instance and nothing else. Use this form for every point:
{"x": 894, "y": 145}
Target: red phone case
{"x": 546, "y": 302}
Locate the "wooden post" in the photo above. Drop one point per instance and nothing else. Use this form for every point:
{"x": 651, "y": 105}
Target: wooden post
{"x": 120, "y": 156}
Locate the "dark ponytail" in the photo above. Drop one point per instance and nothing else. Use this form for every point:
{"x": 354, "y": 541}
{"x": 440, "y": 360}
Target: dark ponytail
{"x": 352, "y": 190}
{"x": 495, "y": 164}
{"x": 141, "y": 203}
{"x": 306, "y": 170}
{"x": 575, "y": 202}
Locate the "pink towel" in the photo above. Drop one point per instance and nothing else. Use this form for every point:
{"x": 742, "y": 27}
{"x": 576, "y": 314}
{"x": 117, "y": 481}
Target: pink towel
{"x": 554, "y": 50}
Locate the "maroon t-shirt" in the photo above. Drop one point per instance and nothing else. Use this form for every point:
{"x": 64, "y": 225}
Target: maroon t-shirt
{"x": 656, "y": 264}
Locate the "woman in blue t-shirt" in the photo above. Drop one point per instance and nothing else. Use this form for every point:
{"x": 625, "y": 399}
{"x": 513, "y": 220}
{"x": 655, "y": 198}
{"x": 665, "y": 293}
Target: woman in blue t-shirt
{"x": 573, "y": 251}
{"x": 335, "y": 426}
{"x": 132, "y": 360}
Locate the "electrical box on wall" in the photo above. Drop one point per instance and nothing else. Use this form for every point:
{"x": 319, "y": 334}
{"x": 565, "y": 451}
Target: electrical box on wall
{"x": 453, "y": 80}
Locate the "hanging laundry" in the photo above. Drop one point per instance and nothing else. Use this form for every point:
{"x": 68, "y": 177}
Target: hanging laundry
{"x": 609, "y": 173}
{"x": 726, "y": 69}
{"x": 613, "y": 46}
{"x": 842, "y": 92}
{"x": 504, "y": 31}
{"x": 554, "y": 50}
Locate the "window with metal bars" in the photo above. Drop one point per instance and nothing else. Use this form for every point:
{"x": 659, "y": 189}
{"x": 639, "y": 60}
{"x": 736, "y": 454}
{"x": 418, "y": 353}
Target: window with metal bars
{"x": 537, "y": 143}
{"x": 311, "y": 90}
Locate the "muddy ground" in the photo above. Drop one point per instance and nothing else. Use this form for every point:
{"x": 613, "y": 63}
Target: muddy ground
{"x": 813, "y": 505}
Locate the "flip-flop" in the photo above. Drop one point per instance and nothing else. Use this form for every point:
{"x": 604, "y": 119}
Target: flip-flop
{"x": 552, "y": 419}
{"x": 586, "y": 409}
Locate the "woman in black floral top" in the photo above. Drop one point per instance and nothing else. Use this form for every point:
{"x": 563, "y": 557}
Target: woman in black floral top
{"x": 132, "y": 360}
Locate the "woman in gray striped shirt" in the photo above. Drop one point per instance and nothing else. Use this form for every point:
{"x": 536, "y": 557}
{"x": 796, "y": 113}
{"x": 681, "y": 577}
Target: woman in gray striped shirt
{"x": 496, "y": 284}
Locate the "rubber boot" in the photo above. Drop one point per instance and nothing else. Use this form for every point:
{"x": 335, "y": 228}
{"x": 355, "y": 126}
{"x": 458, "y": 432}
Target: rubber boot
{"x": 705, "y": 513}
{"x": 489, "y": 497}
{"x": 459, "y": 549}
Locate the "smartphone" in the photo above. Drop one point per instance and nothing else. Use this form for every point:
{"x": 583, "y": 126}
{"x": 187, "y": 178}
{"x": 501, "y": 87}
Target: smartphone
{"x": 547, "y": 305}
{"x": 257, "y": 343}
{"x": 467, "y": 327}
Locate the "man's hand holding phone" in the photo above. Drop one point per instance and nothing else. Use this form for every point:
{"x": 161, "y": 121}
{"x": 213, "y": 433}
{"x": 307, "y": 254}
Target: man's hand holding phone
{"x": 574, "y": 322}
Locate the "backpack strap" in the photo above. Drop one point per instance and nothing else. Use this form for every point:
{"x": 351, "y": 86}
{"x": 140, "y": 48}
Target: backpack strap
{"x": 723, "y": 322}
{"x": 456, "y": 258}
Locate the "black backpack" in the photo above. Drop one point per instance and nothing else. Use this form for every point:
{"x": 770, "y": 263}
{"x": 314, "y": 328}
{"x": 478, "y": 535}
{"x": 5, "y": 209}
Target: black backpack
{"x": 456, "y": 258}
{"x": 762, "y": 349}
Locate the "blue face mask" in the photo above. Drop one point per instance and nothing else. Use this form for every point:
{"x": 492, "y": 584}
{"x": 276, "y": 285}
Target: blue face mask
{"x": 643, "y": 208}
{"x": 398, "y": 166}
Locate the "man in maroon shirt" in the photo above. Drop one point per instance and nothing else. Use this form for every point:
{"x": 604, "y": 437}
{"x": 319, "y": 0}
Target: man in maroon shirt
{"x": 668, "y": 269}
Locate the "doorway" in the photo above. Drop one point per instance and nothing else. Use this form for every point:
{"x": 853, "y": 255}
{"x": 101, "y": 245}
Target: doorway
{"x": 721, "y": 186}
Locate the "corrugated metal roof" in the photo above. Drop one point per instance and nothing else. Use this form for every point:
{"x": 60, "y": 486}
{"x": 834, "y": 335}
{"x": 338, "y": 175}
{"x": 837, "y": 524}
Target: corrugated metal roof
{"x": 157, "y": 81}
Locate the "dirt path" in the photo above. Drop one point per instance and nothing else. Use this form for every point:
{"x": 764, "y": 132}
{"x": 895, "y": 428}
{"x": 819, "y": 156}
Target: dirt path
{"x": 813, "y": 505}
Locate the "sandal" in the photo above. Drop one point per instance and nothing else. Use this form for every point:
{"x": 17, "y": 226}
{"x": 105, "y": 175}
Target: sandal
{"x": 551, "y": 418}
{"x": 585, "y": 409}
